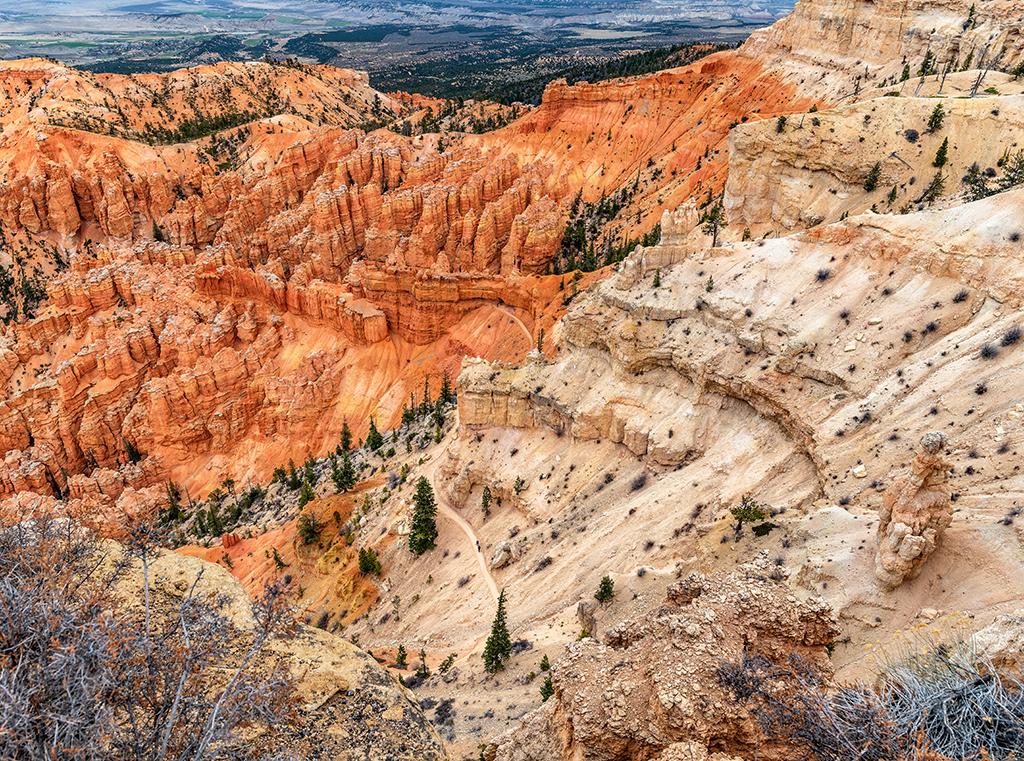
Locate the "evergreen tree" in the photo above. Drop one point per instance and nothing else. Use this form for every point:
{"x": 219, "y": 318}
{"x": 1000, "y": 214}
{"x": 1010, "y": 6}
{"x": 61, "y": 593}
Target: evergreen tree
{"x": 199, "y": 524}
{"x": 294, "y": 482}
{"x": 374, "y": 440}
{"x": 498, "y": 647}
{"x": 307, "y": 494}
{"x": 485, "y": 501}
{"x": 423, "y": 532}
{"x": 605, "y": 590}
{"x": 132, "y": 451}
{"x": 936, "y": 120}
{"x": 713, "y": 220}
{"x": 309, "y": 528}
{"x": 934, "y": 190}
{"x": 344, "y": 477}
{"x": 547, "y": 689}
{"x": 976, "y": 183}
{"x": 401, "y": 658}
{"x": 446, "y": 664}
{"x": 545, "y": 664}
{"x": 346, "y": 437}
{"x": 447, "y": 397}
{"x": 425, "y": 406}
{"x": 173, "y": 513}
{"x": 657, "y": 278}
{"x": 214, "y": 525}
{"x": 874, "y": 175}
{"x": 747, "y": 511}
{"x": 927, "y": 65}
{"x": 942, "y": 156}
{"x": 1013, "y": 171}
{"x": 369, "y": 563}
{"x": 422, "y": 671}
{"x": 892, "y": 195}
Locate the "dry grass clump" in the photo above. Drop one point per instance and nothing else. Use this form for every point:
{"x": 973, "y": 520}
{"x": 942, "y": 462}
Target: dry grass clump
{"x": 940, "y": 703}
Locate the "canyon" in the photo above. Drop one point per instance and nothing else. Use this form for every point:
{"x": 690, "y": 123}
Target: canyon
{"x": 242, "y": 260}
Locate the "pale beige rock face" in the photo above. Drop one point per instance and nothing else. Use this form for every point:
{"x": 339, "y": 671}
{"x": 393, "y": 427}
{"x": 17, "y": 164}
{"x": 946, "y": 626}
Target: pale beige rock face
{"x": 651, "y": 688}
{"x": 810, "y": 394}
{"x": 844, "y": 48}
{"x": 915, "y": 513}
{"x": 1002, "y": 642}
{"x": 815, "y": 169}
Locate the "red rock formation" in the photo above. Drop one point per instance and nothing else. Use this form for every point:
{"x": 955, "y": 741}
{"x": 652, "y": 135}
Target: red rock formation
{"x": 665, "y": 132}
{"x": 314, "y": 272}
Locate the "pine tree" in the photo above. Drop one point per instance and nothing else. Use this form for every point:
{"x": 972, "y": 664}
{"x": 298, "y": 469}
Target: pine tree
{"x": 425, "y": 407}
{"x": 369, "y": 563}
{"x": 892, "y": 195}
{"x": 173, "y": 513}
{"x": 657, "y": 278}
{"x": 934, "y": 190}
{"x": 401, "y": 658}
{"x": 307, "y": 494}
{"x": 547, "y": 689}
{"x": 485, "y": 501}
{"x": 423, "y": 532}
{"x": 874, "y": 175}
{"x": 1013, "y": 171}
{"x": 213, "y": 521}
{"x": 132, "y": 451}
{"x": 927, "y": 65}
{"x": 294, "y": 482}
{"x": 422, "y": 671}
{"x": 747, "y": 511}
{"x": 942, "y": 156}
{"x": 936, "y": 120}
{"x": 309, "y": 528}
{"x": 498, "y": 647}
{"x": 713, "y": 220}
{"x": 374, "y": 440}
{"x": 605, "y": 590}
{"x": 344, "y": 476}
{"x": 346, "y": 437}
{"x": 545, "y": 664}
{"x": 447, "y": 397}
{"x": 976, "y": 183}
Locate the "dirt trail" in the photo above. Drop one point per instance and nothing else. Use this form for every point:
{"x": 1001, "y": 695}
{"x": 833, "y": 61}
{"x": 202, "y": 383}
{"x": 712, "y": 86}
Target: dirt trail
{"x": 444, "y": 507}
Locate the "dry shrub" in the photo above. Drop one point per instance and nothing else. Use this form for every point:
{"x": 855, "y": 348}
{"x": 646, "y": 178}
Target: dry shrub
{"x": 86, "y": 673}
{"x": 943, "y": 703}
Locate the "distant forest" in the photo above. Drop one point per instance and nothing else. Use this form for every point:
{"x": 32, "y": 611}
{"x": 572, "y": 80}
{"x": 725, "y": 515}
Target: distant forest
{"x": 631, "y": 65}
